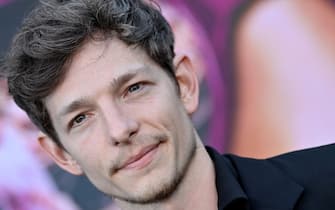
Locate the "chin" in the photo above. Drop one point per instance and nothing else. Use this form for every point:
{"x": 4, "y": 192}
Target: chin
{"x": 154, "y": 192}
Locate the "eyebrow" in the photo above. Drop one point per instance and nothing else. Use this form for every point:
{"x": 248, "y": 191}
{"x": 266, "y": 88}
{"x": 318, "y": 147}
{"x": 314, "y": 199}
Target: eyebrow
{"x": 124, "y": 78}
{"x": 75, "y": 105}
{"x": 119, "y": 81}
{"x": 115, "y": 83}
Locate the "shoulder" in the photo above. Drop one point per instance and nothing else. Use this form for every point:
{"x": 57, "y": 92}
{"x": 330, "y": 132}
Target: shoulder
{"x": 308, "y": 167}
{"x": 296, "y": 164}
{"x": 308, "y": 162}
{"x": 314, "y": 155}
{"x": 325, "y": 150}
{"x": 310, "y": 170}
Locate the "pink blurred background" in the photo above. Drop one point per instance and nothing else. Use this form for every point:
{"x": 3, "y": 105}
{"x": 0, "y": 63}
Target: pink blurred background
{"x": 267, "y": 73}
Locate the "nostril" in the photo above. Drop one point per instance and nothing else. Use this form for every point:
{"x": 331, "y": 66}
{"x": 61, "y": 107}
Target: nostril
{"x": 116, "y": 143}
{"x": 132, "y": 134}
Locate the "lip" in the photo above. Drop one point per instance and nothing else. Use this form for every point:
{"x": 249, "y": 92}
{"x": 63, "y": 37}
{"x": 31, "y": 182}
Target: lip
{"x": 141, "y": 159}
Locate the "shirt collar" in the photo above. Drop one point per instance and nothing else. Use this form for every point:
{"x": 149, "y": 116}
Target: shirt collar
{"x": 230, "y": 193}
{"x": 266, "y": 185}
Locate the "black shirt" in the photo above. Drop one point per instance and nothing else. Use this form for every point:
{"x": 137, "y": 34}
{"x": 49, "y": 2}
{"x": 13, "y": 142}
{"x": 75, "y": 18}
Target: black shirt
{"x": 300, "y": 180}
{"x": 230, "y": 194}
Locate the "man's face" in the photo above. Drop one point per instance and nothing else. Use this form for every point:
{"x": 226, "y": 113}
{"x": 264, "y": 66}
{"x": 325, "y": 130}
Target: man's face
{"x": 122, "y": 121}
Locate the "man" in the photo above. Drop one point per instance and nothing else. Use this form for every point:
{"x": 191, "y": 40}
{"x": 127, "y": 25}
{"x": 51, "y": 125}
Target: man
{"x": 101, "y": 80}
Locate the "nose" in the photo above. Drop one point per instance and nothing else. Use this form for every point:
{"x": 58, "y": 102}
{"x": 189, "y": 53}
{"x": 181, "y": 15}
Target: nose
{"x": 120, "y": 125}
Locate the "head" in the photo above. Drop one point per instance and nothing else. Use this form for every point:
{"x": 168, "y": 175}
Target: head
{"x": 56, "y": 29}
{"x": 101, "y": 81}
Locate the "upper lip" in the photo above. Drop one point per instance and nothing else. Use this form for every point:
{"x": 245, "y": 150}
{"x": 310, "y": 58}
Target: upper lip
{"x": 138, "y": 155}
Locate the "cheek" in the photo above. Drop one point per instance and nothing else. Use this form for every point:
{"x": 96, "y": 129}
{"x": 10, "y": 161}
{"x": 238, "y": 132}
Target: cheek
{"x": 96, "y": 161}
{"x": 86, "y": 139}
{"x": 162, "y": 115}
{"x": 173, "y": 120}
{"x": 87, "y": 148}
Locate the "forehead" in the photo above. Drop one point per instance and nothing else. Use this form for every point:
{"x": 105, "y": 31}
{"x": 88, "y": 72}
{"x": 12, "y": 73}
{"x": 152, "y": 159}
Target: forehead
{"x": 97, "y": 59}
{"x": 95, "y": 63}
{"x": 110, "y": 53}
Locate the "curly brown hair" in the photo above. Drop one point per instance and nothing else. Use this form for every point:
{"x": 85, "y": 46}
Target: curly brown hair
{"x": 56, "y": 29}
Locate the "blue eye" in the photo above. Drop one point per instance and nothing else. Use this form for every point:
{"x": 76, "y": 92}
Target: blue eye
{"x": 78, "y": 120}
{"x": 134, "y": 87}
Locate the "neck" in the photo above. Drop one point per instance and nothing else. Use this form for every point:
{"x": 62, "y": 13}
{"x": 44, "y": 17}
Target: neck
{"x": 196, "y": 191}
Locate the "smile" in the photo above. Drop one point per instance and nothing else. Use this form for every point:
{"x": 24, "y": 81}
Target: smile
{"x": 141, "y": 159}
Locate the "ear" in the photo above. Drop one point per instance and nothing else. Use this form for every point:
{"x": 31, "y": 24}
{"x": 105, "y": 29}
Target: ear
{"x": 62, "y": 158}
{"x": 188, "y": 82}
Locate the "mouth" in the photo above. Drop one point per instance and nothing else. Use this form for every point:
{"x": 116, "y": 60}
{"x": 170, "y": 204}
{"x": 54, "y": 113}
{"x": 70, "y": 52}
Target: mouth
{"x": 141, "y": 159}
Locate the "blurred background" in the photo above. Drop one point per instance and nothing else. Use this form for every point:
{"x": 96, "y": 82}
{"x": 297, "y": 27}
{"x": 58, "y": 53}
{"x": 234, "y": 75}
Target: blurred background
{"x": 267, "y": 73}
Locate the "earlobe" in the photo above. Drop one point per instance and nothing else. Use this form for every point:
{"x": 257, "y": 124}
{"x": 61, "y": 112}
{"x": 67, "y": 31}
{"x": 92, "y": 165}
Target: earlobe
{"x": 62, "y": 158}
{"x": 188, "y": 82}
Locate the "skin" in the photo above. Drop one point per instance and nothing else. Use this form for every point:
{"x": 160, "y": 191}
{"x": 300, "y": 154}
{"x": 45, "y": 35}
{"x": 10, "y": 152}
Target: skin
{"x": 124, "y": 124}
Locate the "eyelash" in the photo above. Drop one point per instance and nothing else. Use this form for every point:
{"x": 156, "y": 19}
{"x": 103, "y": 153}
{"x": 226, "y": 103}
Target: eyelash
{"x": 73, "y": 121}
{"x": 140, "y": 87}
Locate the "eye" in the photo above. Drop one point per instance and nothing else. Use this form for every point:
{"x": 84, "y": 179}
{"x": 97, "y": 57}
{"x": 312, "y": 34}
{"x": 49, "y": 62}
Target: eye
{"x": 135, "y": 87}
{"x": 79, "y": 119}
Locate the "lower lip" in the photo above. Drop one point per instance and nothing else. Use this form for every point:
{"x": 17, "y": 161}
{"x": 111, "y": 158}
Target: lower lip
{"x": 143, "y": 161}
